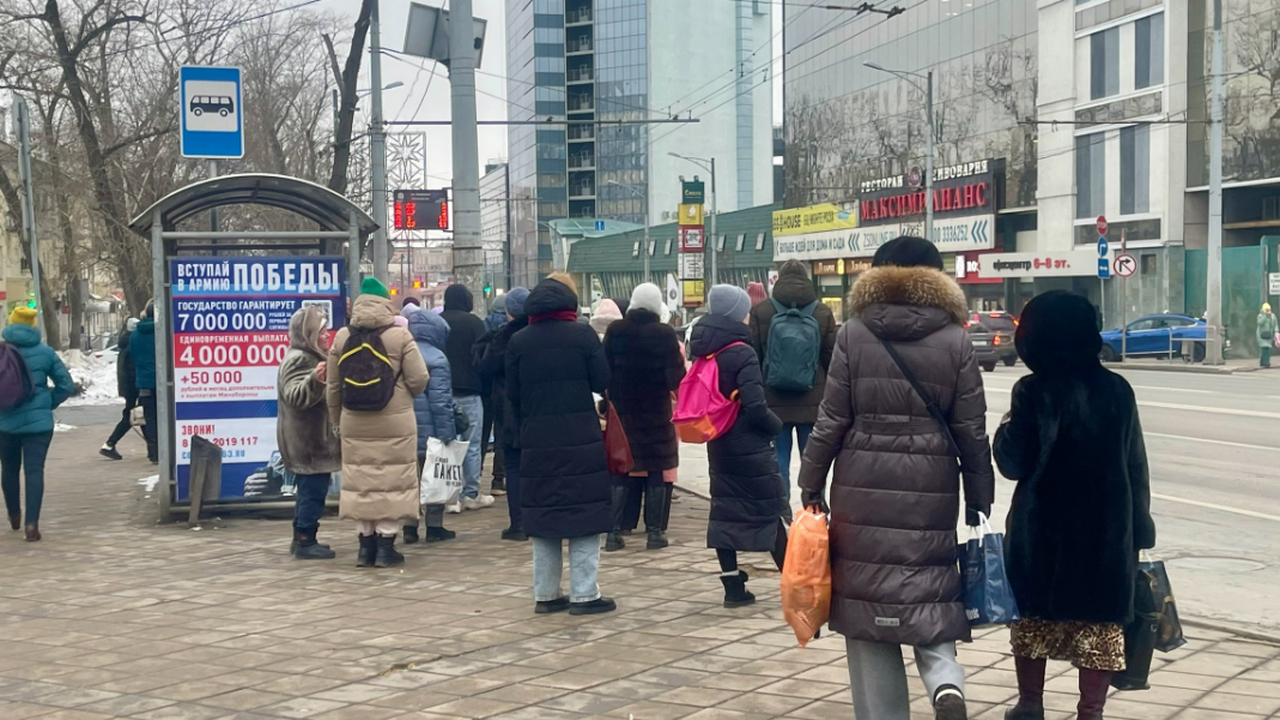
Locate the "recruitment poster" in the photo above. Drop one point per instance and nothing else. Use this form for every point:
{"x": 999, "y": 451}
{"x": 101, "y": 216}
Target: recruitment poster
{"x": 230, "y": 321}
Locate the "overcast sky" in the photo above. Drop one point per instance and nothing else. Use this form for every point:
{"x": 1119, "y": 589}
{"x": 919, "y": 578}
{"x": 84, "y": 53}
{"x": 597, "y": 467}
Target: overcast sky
{"x": 424, "y": 97}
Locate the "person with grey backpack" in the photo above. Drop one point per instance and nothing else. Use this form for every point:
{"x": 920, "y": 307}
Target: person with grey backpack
{"x": 794, "y": 334}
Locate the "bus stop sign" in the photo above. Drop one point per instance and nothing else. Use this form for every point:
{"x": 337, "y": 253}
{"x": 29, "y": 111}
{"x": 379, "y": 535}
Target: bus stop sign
{"x": 210, "y": 111}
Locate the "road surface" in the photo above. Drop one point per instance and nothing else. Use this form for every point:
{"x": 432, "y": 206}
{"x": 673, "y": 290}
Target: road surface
{"x": 1213, "y": 443}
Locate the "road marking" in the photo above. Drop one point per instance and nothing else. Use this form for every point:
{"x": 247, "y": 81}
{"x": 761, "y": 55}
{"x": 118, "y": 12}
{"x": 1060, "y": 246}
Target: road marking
{"x": 1208, "y": 409}
{"x": 1215, "y": 506}
{"x": 1187, "y": 438}
{"x": 1172, "y": 389}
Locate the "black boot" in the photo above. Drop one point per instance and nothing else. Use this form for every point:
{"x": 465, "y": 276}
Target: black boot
{"x": 618, "y": 503}
{"x": 306, "y": 547}
{"x": 514, "y": 534}
{"x": 657, "y": 508}
{"x": 15, "y": 522}
{"x": 368, "y": 551}
{"x": 411, "y": 534}
{"x": 293, "y": 544}
{"x": 387, "y": 555}
{"x": 736, "y": 593}
{"x": 438, "y": 534}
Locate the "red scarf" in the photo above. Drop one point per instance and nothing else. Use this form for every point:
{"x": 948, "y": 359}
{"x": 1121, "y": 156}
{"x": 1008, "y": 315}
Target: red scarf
{"x": 570, "y": 315}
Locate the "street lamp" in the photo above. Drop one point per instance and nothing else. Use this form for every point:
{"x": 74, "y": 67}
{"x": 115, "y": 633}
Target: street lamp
{"x": 928, "y": 116}
{"x": 645, "y": 199}
{"x": 710, "y": 166}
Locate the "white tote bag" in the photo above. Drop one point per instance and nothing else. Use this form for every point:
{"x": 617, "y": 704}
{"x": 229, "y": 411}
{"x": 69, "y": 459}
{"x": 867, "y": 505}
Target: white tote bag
{"x": 442, "y": 472}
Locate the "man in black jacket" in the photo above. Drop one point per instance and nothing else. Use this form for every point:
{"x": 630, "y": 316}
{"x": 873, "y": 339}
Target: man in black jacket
{"x": 491, "y": 362}
{"x": 553, "y": 367}
{"x": 464, "y": 330}
{"x": 127, "y": 387}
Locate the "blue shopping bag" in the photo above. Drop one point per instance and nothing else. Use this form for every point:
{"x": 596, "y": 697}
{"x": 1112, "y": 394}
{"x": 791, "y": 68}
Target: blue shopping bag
{"x": 988, "y": 598}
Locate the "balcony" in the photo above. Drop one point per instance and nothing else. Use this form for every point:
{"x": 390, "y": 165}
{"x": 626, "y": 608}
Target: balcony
{"x": 579, "y": 47}
{"x": 581, "y": 16}
{"x": 582, "y": 132}
{"x": 582, "y": 191}
{"x": 580, "y": 75}
{"x": 583, "y": 102}
{"x": 582, "y": 161}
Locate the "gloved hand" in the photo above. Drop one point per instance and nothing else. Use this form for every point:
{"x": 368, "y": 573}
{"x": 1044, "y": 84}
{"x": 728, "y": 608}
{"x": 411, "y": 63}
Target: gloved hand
{"x": 814, "y": 499}
{"x": 971, "y": 514}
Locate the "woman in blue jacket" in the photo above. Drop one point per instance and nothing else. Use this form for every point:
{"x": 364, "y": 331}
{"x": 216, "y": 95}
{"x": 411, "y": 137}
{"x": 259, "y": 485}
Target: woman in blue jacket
{"x": 27, "y": 428}
{"x": 433, "y": 408}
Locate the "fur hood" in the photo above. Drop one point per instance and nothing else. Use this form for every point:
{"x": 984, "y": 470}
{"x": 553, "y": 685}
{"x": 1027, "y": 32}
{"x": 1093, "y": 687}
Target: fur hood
{"x": 916, "y": 286}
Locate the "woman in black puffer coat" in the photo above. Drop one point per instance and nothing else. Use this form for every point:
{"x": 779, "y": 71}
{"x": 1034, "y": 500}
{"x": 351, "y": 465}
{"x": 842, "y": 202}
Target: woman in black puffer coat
{"x": 553, "y": 367}
{"x": 746, "y": 487}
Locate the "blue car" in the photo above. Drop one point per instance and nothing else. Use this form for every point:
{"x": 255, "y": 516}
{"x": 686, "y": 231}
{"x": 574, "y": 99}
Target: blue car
{"x": 1157, "y": 336}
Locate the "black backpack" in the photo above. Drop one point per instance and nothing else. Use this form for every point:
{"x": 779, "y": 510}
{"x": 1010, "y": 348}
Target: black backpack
{"x": 368, "y": 378}
{"x": 16, "y": 386}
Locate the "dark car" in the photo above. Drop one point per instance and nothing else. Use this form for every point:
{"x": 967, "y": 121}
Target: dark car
{"x": 1157, "y": 336}
{"x": 992, "y": 346}
{"x": 1003, "y": 324}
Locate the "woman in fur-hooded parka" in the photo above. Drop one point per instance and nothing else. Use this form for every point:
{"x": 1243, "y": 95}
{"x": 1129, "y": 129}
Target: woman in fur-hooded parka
{"x": 308, "y": 445}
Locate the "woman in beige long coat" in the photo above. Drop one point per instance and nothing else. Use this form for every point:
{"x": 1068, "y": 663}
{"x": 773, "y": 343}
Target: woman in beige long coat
{"x": 379, "y": 448}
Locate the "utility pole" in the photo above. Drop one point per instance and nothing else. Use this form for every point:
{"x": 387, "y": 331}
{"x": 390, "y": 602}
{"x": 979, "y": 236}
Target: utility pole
{"x": 715, "y": 277}
{"x": 378, "y": 148}
{"x": 22, "y": 128}
{"x": 1213, "y": 284}
{"x": 468, "y": 248}
{"x": 928, "y": 161}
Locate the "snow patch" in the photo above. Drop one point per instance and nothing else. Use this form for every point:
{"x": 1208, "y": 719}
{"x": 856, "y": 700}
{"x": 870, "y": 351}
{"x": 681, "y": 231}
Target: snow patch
{"x": 63, "y": 427}
{"x": 149, "y": 482}
{"x": 95, "y": 380}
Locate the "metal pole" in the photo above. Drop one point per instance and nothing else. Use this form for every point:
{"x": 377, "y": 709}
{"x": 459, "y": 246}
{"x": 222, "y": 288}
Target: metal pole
{"x": 647, "y": 274}
{"x": 468, "y": 249}
{"x": 353, "y": 255}
{"x": 164, "y": 416}
{"x": 22, "y": 126}
{"x": 928, "y": 170}
{"x": 715, "y": 277}
{"x": 213, "y": 214}
{"x": 378, "y": 149}
{"x": 1213, "y": 284}
{"x": 1124, "y": 305}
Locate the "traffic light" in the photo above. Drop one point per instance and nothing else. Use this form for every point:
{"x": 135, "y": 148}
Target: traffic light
{"x": 417, "y": 283}
{"x": 488, "y": 289}
{"x": 394, "y": 291}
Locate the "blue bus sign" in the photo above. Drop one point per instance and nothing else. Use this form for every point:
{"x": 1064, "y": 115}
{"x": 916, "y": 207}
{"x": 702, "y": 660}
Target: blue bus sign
{"x": 211, "y": 112}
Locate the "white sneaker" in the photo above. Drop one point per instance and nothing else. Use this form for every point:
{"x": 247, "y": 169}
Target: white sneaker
{"x": 453, "y": 509}
{"x": 478, "y": 502}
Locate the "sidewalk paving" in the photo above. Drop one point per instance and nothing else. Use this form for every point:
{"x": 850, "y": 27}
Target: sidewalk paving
{"x": 112, "y": 616}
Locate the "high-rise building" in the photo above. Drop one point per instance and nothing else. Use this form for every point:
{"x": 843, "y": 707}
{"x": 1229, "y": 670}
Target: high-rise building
{"x": 495, "y": 223}
{"x": 594, "y": 71}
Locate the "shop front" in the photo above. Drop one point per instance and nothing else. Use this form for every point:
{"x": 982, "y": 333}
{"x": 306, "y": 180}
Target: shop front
{"x": 1027, "y": 274}
{"x": 983, "y": 293}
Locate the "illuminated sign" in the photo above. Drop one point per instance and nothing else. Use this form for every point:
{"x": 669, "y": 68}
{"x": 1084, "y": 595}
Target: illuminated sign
{"x": 421, "y": 210}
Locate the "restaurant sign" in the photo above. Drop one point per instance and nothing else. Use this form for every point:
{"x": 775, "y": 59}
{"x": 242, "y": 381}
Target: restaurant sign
{"x": 961, "y": 234}
{"x": 967, "y": 189}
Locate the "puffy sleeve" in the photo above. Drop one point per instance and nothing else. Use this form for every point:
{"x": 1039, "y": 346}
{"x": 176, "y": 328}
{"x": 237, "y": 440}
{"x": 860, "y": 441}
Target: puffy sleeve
{"x": 300, "y": 389}
{"x": 413, "y": 368}
{"x": 440, "y": 400}
{"x": 334, "y": 382}
{"x": 675, "y": 360}
{"x": 597, "y": 363}
{"x": 63, "y": 385}
{"x": 1144, "y": 528}
{"x": 969, "y": 428}
{"x": 750, "y": 383}
{"x": 835, "y": 417}
{"x": 1017, "y": 443}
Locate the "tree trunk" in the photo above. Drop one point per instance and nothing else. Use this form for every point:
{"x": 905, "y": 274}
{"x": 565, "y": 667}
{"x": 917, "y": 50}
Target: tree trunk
{"x": 346, "y": 80}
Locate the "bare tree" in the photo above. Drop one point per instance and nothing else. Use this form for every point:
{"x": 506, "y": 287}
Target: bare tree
{"x": 347, "y": 79}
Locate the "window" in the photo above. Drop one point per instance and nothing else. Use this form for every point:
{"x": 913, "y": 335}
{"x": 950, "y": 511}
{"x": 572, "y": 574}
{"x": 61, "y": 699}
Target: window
{"x": 1135, "y": 166}
{"x": 1104, "y": 63}
{"x": 1148, "y": 61}
{"x": 1143, "y": 324}
{"x": 741, "y": 239}
{"x": 1091, "y": 185}
{"x": 759, "y": 242}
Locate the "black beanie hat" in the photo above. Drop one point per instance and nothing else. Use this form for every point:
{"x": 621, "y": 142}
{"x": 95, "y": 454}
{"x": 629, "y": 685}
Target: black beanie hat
{"x": 907, "y": 251}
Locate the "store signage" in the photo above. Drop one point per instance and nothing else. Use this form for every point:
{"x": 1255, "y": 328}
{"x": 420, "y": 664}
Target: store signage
{"x": 949, "y": 172}
{"x": 1065, "y": 263}
{"x": 966, "y": 189}
{"x": 969, "y": 269}
{"x": 691, "y": 215}
{"x": 814, "y": 218}
{"x": 693, "y": 192}
{"x": 961, "y": 234}
{"x": 691, "y": 266}
{"x": 692, "y": 239}
{"x": 692, "y": 291}
{"x": 230, "y": 334}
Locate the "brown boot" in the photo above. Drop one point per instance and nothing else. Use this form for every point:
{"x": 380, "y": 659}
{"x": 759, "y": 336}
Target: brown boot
{"x": 1094, "y": 686}
{"x": 1030, "y": 690}
{"x": 15, "y": 522}
{"x": 33, "y": 532}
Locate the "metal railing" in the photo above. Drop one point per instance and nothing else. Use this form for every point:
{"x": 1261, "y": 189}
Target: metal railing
{"x": 582, "y": 161}
{"x": 583, "y": 45}
{"x": 581, "y": 15}
{"x": 585, "y": 74}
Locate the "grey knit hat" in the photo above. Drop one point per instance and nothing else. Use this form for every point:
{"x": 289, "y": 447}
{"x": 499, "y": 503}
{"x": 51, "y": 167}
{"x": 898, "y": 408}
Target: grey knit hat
{"x": 515, "y": 301}
{"x": 729, "y": 301}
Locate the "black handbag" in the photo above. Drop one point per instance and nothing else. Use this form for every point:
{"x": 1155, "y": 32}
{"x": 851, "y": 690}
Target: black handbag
{"x": 1153, "y": 582}
{"x": 1155, "y": 626}
{"x": 461, "y": 423}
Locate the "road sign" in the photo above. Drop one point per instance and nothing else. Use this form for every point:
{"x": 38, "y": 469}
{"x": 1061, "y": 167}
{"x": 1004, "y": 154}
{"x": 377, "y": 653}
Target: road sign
{"x": 1126, "y": 265}
{"x": 210, "y": 111}
{"x": 1102, "y": 225}
{"x": 1103, "y": 247}
{"x": 599, "y": 226}
{"x": 1273, "y": 283}
{"x": 1104, "y": 268}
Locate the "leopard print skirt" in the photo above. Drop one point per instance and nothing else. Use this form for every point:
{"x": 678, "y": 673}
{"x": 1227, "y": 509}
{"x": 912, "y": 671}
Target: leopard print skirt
{"x": 1092, "y": 646}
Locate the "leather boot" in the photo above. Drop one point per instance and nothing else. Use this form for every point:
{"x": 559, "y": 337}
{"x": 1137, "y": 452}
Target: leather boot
{"x": 657, "y": 506}
{"x": 306, "y": 547}
{"x": 1030, "y": 690}
{"x": 387, "y": 555}
{"x": 1094, "y": 686}
{"x": 293, "y": 543}
{"x": 15, "y": 522}
{"x": 618, "y": 503}
{"x": 368, "y": 551}
{"x": 33, "y": 532}
{"x": 736, "y": 593}
{"x": 410, "y": 534}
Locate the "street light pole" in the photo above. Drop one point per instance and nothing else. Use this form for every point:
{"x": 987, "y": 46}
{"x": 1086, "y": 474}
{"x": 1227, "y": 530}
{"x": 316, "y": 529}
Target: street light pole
{"x": 928, "y": 117}
{"x": 1213, "y": 284}
{"x": 377, "y": 149}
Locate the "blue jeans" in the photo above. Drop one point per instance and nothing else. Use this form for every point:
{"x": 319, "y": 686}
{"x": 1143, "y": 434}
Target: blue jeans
{"x": 784, "y": 451}
{"x": 311, "y": 493}
{"x": 473, "y": 406}
{"x": 25, "y": 451}
{"x": 584, "y": 562}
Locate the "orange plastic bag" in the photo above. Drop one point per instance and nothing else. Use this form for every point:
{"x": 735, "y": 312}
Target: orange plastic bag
{"x": 806, "y": 576}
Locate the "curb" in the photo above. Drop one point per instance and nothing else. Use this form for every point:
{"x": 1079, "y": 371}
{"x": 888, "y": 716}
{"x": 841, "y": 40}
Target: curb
{"x": 1182, "y": 368}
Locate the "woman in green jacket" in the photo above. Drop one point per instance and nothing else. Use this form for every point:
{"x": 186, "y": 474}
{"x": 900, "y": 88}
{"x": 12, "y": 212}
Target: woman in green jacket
{"x": 1268, "y": 326}
{"x": 27, "y": 428}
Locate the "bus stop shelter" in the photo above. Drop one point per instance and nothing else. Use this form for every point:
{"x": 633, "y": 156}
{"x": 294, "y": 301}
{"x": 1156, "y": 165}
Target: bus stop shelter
{"x": 222, "y": 299}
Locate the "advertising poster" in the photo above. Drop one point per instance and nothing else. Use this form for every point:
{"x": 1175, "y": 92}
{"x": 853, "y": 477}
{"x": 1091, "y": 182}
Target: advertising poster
{"x": 230, "y": 320}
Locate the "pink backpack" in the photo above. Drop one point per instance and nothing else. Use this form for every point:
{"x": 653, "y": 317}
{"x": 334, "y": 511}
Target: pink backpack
{"x": 702, "y": 412}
